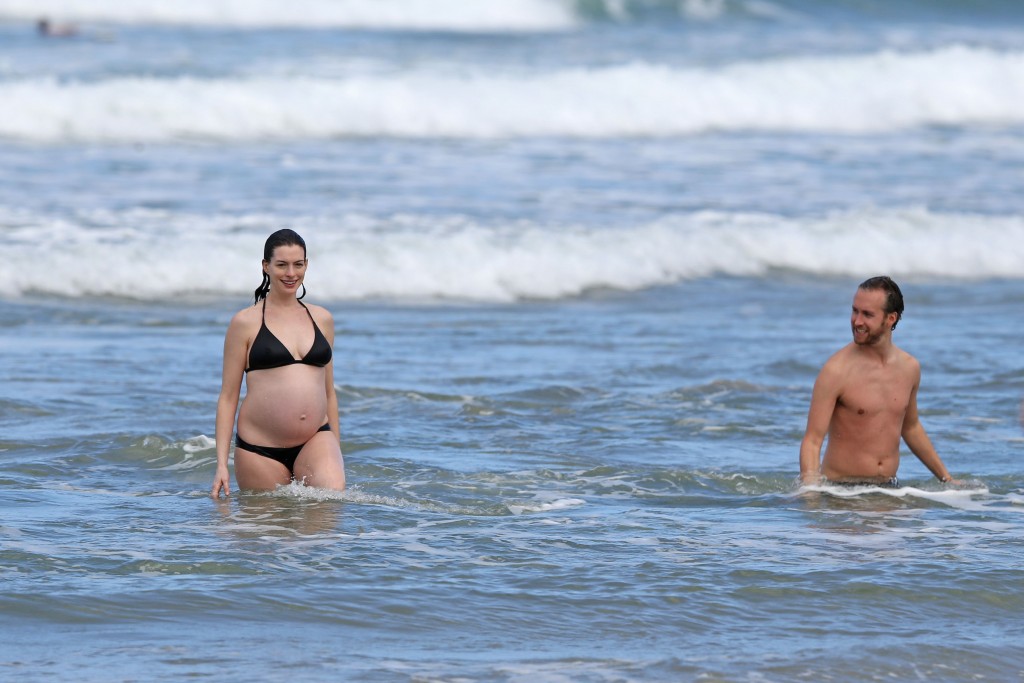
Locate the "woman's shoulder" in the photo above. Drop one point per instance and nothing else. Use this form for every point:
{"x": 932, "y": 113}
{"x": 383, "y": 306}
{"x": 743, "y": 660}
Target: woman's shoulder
{"x": 248, "y": 316}
{"x": 319, "y": 313}
{"x": 323, "y": 319}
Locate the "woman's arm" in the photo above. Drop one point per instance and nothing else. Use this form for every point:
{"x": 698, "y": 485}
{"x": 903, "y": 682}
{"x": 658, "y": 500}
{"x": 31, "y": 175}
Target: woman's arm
{"x": 235, "y": 347}
{"x": 326, "y": 324}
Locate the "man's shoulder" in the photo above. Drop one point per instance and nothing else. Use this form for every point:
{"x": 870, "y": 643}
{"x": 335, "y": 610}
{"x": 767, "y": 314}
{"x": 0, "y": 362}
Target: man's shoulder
{"x": 837, "y": 367}
{"x": 906, "y": 361}
{"x": 841, "y": 358}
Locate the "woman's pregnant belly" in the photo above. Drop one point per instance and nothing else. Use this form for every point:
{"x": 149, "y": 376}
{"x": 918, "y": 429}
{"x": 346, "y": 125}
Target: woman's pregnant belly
{"x": 283, "y": 406}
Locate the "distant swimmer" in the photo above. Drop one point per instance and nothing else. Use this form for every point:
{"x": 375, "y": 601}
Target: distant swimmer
{"x": 288, "y": 422}
{"x": 49, "y": 29}
{"x": 865, "y": 400}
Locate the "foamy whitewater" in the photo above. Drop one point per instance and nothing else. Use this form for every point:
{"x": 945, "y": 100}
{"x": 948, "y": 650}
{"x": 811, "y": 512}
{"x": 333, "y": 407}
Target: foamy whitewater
{"x": 147, "y": 254}
{"x": 879, "y": 92}
{"x": 493, "y": 15}
{"x": 585, "y": 259}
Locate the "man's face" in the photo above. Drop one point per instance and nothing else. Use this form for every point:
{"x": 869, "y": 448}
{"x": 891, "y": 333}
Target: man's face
{"x": 868, "y": 320}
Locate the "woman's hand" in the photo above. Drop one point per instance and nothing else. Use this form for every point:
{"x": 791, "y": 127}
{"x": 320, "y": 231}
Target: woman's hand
{"x": 221, "y": 481}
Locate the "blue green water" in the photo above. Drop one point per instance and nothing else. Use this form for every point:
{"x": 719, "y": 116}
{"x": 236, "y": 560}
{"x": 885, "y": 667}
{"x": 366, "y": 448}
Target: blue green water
{"x": 583, "y": 273}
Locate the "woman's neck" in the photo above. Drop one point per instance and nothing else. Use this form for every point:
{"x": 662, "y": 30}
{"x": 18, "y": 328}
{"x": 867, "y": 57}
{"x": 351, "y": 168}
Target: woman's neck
{"x": 283, "y": 300}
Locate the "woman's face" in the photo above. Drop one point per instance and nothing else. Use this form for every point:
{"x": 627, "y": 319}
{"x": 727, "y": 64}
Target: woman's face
{"x": 286, "y": 268}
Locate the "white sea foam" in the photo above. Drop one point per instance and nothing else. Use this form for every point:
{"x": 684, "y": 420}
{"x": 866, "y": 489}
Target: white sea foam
{"x": 848, "y": 94}
{"x": 976, "y": 497}
{"x": 957, "y": 497}
{"x": 548, "y": 506}
{"x": 454, "y": 15}
{"x": 197, "y": 444}
{"x": 151, "y": 254}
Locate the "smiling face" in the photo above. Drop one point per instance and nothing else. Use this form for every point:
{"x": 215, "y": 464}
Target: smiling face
{"x": 868, "y": 320}
{"x": 286, "y": 268}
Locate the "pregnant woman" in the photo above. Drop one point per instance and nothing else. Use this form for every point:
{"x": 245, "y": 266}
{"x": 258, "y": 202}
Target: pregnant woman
{"x": 288, "y": 422}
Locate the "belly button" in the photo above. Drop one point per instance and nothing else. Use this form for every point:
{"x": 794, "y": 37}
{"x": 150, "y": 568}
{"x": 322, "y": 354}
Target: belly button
{"x": 302, "y": 417}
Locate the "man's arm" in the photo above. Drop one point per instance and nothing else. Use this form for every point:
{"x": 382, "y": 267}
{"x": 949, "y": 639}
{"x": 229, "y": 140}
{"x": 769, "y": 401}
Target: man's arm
{"x": 819, "y": 417}
{"x": 917, "y": 439}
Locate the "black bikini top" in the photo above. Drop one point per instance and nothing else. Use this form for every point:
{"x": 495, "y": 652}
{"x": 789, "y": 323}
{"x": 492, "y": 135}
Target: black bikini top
{"x": 268, "y": 352}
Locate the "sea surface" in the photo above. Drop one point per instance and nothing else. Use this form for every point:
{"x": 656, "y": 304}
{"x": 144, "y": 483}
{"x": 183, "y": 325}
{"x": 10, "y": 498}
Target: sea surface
{"x": 585, "y": 260}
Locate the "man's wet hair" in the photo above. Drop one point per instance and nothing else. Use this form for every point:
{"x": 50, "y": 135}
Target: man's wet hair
{"x": 893, "y": 295}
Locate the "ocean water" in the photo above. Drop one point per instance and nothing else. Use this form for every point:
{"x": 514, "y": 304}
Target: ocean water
{"x": 585, "y": 260}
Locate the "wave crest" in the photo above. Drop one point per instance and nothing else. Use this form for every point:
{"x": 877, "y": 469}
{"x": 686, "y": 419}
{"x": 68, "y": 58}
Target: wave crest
{"x": 135, "y": 254}
{"x": 417, "y": 15}
{"x": 848, "y": 94}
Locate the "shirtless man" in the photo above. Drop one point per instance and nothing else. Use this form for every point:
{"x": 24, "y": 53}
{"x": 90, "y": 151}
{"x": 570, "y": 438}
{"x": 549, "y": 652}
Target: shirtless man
{"x": 865, "y": 399}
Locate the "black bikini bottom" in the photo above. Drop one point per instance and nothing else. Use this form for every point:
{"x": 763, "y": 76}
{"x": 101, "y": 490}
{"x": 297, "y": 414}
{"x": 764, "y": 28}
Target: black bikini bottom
{"x": 285, "y": 456}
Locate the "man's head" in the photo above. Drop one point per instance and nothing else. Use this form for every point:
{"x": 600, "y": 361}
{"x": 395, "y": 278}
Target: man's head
{"x": 877, "y": 308}
{"x": 893, "y": 295}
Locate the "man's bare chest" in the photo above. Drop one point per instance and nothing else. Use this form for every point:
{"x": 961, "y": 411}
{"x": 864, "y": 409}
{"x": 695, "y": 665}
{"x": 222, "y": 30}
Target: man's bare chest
{"x": 876, "y": 394}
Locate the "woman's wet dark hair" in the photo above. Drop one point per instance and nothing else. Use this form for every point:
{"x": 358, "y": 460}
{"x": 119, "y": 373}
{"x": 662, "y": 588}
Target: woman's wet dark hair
{"x": 282, "y": 238}
{"x": 893, "y": 295}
